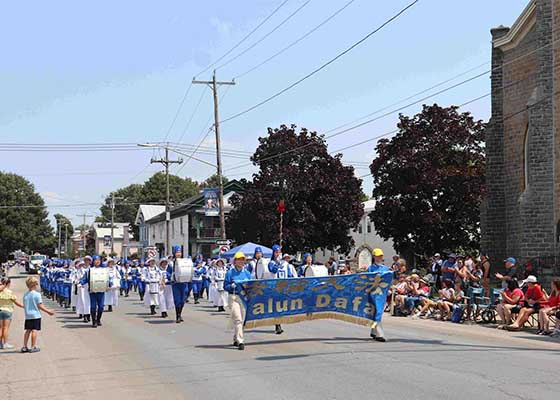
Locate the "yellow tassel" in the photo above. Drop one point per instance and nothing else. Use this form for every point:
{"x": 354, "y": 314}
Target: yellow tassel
{"x": 292, "y": 319}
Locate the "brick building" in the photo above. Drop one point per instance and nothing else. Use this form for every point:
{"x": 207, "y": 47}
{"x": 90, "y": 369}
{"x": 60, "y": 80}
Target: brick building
{"x": 520, "y": 216}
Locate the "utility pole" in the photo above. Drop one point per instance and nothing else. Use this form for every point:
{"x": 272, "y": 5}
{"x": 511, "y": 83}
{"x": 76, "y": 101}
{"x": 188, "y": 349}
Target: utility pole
{"x": 214, "y": 86}
{"x": 166, "y": 162}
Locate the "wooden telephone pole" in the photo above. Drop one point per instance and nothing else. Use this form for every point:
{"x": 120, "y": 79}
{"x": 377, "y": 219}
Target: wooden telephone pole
{"x": 214, "y": 86}
{"x": 166, "y": 162}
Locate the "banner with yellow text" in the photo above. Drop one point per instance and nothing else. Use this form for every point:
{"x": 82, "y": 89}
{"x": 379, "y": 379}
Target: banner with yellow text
{"x": 358, "y": 298}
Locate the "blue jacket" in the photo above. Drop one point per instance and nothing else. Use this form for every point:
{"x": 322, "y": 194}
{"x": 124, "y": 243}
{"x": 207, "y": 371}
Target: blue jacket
{"x": 377, "y": 268}
{"x": 237, "y": 277}
{"x": 169, "y": 274}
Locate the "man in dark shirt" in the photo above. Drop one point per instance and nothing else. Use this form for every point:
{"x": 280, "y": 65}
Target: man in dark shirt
{"x": 512, "y": 272}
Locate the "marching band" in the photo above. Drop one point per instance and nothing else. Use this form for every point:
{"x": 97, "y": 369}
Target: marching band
{"x": 91, "y": 283}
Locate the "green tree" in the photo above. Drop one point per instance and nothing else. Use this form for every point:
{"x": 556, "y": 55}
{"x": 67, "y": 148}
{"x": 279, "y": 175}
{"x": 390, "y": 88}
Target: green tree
{"x": 24, "y": 220}
{"x": 323, "y": 198}
{"x": 64, "y": 224}
{"x": 429, "y": 182}
{"x": 180, "y": 189}
{"x": 66, "y": 231}
{"x": 127, "y": 200}
{"x": 213, "y": 182}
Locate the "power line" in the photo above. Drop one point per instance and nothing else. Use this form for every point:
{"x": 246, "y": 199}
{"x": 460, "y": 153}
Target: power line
{"x": 192, "y": 115}
{"x": 406, "y": 106}
{"x": 296, "y": 41}
{"x": 244, "y": 38}
{"x": 208, "y": 131}
{"x": 178, "y": 111}
{"x": 323, "y": 66}
{"x": 409, "y": 97}
{"x": 265, "y": 36}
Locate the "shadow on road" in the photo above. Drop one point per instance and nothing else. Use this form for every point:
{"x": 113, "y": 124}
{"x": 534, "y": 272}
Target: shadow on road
{"x": 431, "y": 345}
{"x": 78, "y": 326}
{"x": 160, "y": 322}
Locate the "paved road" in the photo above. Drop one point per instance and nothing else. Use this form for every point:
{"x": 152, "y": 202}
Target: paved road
{"x": 143, "y": 357}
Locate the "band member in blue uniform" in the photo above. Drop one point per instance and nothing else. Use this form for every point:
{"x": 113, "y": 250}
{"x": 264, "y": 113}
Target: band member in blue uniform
{"x": 234, "y": 277}
{"x": 97, "y": 299}
{"x": 66, "y": 284}
{"x": 377, "y": 332}
{"x": 199, "y": 271}
{"x": 126, "y": 277}
{"x": 179, "y": 288}
{"x": 140, "y": 284}
{"x": 206, "y": 280}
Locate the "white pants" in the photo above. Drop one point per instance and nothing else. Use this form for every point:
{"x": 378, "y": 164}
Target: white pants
{"x": 237, "y": 317}
{"x": 74, "y": 295}
{"x": 166, "y": 299}
{"x": 83, "y": 304}
{"x": 151, "y": 299}
{"x": 112, "y": 297}
{"x": 221, "y": 298}
{"x": 212, "y": 294}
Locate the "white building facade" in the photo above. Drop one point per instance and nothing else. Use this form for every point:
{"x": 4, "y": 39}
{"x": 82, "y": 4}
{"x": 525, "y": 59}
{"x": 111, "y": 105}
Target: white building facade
{"x": 365, "y": 237}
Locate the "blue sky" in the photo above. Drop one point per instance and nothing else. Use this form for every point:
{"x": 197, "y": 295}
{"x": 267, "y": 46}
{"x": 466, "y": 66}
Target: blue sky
{"x": 106, "y": 71}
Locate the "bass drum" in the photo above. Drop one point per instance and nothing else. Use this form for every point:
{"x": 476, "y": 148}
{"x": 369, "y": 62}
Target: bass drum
{"x": 98, "y": 280}
{"x": 315, "y": 271}
{"x": 183, "y": 270}
{"x": 262, "y": 271}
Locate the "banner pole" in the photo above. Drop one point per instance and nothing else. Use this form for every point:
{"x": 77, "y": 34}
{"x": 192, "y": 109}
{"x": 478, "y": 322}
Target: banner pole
{"x": 281, "y": 222}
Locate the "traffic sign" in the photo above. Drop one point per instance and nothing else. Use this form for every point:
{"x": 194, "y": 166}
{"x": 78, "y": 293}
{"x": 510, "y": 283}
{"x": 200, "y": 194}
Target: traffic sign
{"x": 223, "y": 249}
{"x": 224, "y": 242}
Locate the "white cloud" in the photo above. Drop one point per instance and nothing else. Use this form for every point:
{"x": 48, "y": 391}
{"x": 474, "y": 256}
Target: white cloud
{"x": 223, "y": 27}
{"x": 52, "y": 197}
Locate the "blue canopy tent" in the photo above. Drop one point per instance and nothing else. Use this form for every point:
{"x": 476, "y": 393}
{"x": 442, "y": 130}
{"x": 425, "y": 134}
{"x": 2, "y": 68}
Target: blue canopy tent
{"x": 248, "y": 249}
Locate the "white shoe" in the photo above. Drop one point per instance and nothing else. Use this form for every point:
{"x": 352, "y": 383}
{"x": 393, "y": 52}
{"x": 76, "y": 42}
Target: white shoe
{"x": 8, "y": 346}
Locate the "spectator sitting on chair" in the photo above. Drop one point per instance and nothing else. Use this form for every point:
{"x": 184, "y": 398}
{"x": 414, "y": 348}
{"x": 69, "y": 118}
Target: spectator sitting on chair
{"x": 447, "y": 306}
{"x": 401, "y": 290}
{"x": 446, "y": 297}
{"x": 511, "y": 298}
{"x": 413, "y": 294}
{"x": 549, "y": 308}
{"x": 512, "y": 272}
{"x": 416, "y": 296}
{"x": 533, "y": 297}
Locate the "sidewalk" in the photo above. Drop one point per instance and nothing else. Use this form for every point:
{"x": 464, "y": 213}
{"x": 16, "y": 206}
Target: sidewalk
{"x": 70, "y": 365}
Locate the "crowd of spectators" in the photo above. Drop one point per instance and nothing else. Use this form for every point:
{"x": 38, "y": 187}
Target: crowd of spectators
{"x": 458, "y": 287}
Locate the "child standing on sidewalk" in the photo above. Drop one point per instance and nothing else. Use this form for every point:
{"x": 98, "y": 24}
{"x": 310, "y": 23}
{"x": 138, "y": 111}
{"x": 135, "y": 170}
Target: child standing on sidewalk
{"x": 7, "y": 301}
{"x": 33, "y": 304}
